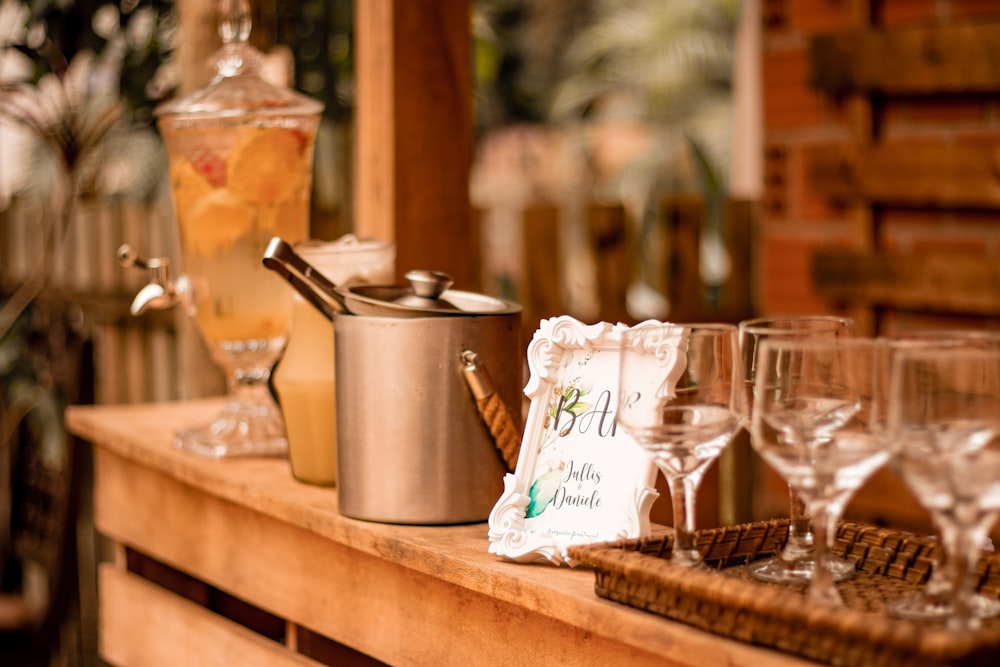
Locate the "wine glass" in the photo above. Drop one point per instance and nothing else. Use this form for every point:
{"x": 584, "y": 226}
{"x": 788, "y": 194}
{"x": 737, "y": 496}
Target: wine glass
{"x": 240, "y": 153}
{"x": 933, "y": 600}
{"x": 944, "y": 423}
{"x": 815, "y": 423}
{"x": 794, "y": 565}
{"x": 679, "y": 399}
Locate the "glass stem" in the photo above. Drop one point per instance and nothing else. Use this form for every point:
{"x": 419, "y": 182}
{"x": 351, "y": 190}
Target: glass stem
{"x": 822, "y": 589}
{"x": 956, "y": 541}
{"x": 939, "y": 586}
{"x": 682, "y": 495}
{"x": 246, "y": 384}
{"x": 799, "y": 545}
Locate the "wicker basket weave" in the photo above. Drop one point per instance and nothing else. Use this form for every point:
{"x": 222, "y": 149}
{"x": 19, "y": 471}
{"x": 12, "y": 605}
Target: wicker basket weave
{"x": 726, "y": 601}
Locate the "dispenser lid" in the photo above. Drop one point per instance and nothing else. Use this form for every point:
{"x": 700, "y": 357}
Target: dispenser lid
{"x": 237, "y": 88}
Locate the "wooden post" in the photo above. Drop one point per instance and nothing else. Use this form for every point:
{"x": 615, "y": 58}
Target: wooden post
{"x": 413, "y": 119}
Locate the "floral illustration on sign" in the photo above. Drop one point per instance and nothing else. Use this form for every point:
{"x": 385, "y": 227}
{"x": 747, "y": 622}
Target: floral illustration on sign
{"x": 567, "y": 398}
{"x": 543, "y": 490}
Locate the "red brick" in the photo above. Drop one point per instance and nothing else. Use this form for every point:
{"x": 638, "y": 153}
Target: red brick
{"x": 911, "y": 216}
{"x": 784, "y": 273}
{"x": 774, "y": 16}
{"x": 964, "y": 9}
{"x": 894, "y": 322}
{"x": 796, "y": 221}
{"x": 898, "y": 226}
{"x": 776, "y": 181}
{"x": 836, "y": 111}
{"x": 989, "y": 219}
{"x": 942, "y": 242}
{"x": 817, "y": 16}
{"x": 806, "y": 202}
{"x": 890, "y": 114}
{"x": 939, "y": 231}
{"x": 978, "y": 136}
{"x": 790, "y": 304}
{"x": 788, "y": 99}
{"x": 948, "y": 109}
{"x": 907, "y": 12}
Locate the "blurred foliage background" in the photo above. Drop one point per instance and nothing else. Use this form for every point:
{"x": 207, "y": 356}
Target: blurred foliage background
{"x": 664, "y": 64}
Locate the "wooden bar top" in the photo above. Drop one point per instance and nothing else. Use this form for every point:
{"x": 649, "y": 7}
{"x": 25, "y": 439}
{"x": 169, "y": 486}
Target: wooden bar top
{"x": 408, "y": 595}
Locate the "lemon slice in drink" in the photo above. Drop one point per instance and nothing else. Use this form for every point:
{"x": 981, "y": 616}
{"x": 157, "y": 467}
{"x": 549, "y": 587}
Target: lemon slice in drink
{"x": 289, "y": 219}
{"x": 268, "y": 165}
{"x": 216, "y": 222}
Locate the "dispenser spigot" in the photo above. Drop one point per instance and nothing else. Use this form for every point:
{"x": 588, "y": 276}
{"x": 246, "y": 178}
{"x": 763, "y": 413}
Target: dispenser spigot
{"x": 160, "y": 292}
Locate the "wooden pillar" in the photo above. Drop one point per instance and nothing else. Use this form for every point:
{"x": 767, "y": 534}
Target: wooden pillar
{"x": 198, "y": 38}
{"x": 413, "y": 118}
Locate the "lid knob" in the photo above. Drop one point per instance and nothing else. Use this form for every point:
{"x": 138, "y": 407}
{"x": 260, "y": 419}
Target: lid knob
{"x": 236, "y": 55}
{"x": 428, "y": 284}
{"x": 234, "y": 26}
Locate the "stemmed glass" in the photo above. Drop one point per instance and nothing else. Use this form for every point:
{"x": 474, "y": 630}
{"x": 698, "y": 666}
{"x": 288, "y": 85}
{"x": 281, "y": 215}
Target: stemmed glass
{"x": 794, "y": 565}
{"x": 944, "y": 424}
{"x": 815, "y": 422}
{"x": 679, "y": 399}
{"x": 933, "y": 600}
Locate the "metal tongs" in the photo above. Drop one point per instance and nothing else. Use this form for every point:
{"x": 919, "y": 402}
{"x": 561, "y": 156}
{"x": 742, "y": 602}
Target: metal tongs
{"x": 307, "y": 281}
{"x": 423, "y": 297}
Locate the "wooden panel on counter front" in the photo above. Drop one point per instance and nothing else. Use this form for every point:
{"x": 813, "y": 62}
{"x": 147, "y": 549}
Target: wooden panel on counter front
{"x": 943, "y": 283}
{"x": 142, "y": 624}
{"x": 926, "y": 60}
{"x": 405, "y": 595}
{"x": 934, "y": 174}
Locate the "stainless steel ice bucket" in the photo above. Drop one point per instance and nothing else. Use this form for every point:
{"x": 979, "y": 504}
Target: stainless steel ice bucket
{"x": 412, "y": 446}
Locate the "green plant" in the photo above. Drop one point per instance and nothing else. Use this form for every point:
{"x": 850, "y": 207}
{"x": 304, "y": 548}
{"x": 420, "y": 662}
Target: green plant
{"x": 672, "y": 62}
{"x": 672, "y": 59}
{"x": 76, "y": 103}
{"x": 76, "y": 77}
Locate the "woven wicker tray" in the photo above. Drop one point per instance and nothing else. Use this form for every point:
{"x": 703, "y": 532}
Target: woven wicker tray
{"x": 728, "y": 602}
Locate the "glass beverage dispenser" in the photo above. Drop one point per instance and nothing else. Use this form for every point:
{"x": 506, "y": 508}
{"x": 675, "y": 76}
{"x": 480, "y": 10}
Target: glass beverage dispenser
{"x": 240, "y": 155}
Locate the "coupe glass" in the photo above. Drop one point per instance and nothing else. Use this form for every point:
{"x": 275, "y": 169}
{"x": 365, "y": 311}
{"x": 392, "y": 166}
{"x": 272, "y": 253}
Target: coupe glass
{"x": 794, "y": 565}
{"x": 815, "y": 422}
{"x": 944, "y": 423}
{"x": 680, "y": 400}
{"x": 240, "y": 152}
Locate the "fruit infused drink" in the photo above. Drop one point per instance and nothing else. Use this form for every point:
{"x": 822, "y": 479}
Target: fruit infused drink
{"x": 235, "y": 187}
{"x": 240, "y": 151}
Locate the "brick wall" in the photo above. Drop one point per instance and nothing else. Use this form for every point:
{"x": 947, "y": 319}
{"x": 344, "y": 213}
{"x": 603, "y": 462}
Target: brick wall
{"x": 796, "y": 220}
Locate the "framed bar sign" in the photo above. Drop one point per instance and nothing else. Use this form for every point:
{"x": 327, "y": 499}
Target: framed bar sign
{"x": 579, "y": 478}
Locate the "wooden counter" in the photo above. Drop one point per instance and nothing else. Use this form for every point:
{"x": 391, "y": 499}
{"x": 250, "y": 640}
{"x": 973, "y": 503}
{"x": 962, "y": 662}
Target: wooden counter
{"x": 207, "y": 550}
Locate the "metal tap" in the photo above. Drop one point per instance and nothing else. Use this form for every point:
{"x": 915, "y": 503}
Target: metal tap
{"x": 161, "y": 291}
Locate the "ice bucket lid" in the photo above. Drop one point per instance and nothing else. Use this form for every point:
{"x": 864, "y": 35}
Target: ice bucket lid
{"x": 427, "y": 295}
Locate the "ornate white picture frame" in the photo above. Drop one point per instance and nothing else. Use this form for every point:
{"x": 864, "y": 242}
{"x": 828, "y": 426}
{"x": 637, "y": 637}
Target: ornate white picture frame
{"x": 579, "y": 477}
